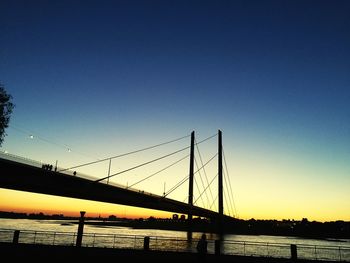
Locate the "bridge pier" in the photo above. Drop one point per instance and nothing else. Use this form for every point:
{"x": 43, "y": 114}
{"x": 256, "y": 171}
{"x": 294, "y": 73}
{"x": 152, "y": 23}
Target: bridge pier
{"x": 190, "y": 189}
{"x": 220, "y": 185}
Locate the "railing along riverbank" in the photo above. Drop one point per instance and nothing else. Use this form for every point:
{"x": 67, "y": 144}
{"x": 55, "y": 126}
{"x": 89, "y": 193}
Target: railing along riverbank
{"x": 136, "y": 242}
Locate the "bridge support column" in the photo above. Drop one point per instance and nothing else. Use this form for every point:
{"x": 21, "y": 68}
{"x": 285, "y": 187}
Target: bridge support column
{"x": 190, "y": 189}
{"x": 80, "y": 229}
{"x": 220, "y": 185}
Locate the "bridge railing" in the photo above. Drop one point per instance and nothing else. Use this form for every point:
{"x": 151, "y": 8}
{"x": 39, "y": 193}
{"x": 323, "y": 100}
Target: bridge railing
{"x": 8, "y": 156}
{"x": 38, "y": 164}
{"x": 228, "y": 247}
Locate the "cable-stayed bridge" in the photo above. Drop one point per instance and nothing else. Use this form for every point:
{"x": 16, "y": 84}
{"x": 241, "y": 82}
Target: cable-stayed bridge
{"x": 26, "y": 175}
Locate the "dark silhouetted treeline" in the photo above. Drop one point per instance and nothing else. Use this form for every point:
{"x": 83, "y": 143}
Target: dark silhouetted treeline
{"x": 302, "y": 228}
{"x": 40, "y": 215}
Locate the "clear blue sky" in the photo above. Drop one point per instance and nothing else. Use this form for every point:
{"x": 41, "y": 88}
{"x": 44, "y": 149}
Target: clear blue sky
{"x": 110, "y": 76}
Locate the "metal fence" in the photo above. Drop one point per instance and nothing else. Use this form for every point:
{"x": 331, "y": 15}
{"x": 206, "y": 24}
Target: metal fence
{"x": 227, "y": 247}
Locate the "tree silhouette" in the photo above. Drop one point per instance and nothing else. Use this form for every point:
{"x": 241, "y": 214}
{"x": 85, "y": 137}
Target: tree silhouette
{"x": 6, "y": 107}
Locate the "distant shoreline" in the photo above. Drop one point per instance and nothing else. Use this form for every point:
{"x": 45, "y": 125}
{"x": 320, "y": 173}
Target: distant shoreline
{"x": 304, "y": 229}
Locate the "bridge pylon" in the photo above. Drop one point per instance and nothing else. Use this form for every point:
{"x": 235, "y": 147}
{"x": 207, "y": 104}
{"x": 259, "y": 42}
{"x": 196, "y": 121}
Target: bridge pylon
{"x": 190, "y": 189}
{"x": 220, "y": 184}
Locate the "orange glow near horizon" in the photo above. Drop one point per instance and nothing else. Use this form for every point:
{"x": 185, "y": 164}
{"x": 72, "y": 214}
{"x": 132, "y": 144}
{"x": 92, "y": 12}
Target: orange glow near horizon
{"x": 26, "y": 202}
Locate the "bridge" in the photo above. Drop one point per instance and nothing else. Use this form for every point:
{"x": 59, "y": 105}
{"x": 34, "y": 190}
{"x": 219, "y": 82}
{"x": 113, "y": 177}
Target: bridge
{"x": 17, "y": 174}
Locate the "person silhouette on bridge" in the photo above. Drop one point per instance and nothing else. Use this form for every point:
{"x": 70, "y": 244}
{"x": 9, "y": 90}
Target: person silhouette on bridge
{"x": 202, "y": 247}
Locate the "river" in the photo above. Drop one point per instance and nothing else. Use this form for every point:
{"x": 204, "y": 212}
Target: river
{"x": 264, "y": 245}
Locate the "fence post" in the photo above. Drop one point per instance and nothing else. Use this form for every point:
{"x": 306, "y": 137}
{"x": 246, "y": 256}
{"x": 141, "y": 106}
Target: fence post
{"x": 315, "y": 253}
{"x": 15, "y": 237}
{"x": 217, "y": 247}
{"x": 267, "y": 248}
{"x": 293, "y": 251}
{"x": 80, "y": 229}
{"x": 146, "y": 243}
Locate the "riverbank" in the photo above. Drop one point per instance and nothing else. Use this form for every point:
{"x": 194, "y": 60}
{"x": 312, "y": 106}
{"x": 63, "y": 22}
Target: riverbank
{"x": 336, "y": 230}
{"x": 203, "y": 226}
{"x": 48, "y": 253}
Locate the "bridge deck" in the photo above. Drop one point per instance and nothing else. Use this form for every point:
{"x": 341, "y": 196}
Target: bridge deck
{"x": 24, "y": 177}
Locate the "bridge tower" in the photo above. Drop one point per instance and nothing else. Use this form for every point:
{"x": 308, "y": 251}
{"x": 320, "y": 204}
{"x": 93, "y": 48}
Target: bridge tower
{"x": 220, "y": 184}
{"x": 190, "y": 189}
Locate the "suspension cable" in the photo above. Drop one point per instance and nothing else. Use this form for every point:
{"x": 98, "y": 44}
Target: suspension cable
{"x": 143, "y": 164}
{"x": 186, "y": 177}
{"x": 176, "y": 186}
{"x": 208, "y": 138}
{"x": 213, "y": 202}
{"x": 206, "y": 189}
{"x": 33, "y": 135}
{"x": 229, "y": 182}
{"x": 227, "y": 201}
{"x": 159, "y": 171}
{"x": 195, "y": 181}
{"x": 136, "y": 151}
{"x": 202, "y": 167}
{"x": 201, "y": 179}
{"x": 128, "y": 153}
{"x": 205, "y": 174}
{"x": 227, "y": 193}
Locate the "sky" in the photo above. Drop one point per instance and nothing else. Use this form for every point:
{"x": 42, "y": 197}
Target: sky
{"x": 95, "y": 79}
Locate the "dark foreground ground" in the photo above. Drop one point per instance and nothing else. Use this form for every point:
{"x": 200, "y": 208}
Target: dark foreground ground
{"x": 45, "y": 253}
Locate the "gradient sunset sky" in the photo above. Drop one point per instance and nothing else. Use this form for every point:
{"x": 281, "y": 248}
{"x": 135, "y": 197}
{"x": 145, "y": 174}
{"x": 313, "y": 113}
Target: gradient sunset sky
{"x": 102, "y": 78}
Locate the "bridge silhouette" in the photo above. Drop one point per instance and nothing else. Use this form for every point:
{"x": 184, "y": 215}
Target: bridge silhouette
{"x": 26, "y": 175}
